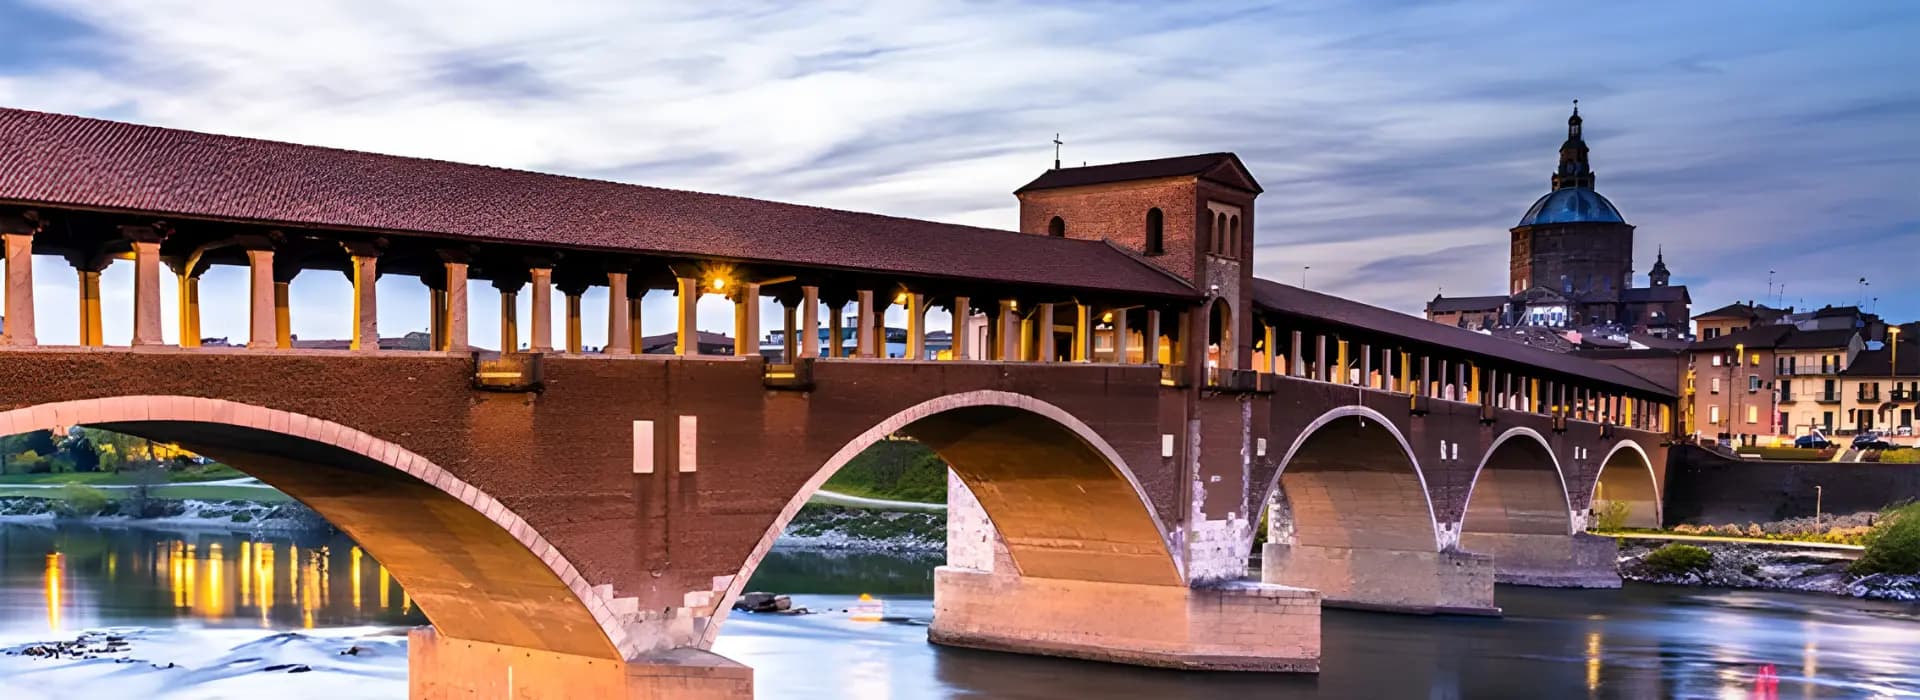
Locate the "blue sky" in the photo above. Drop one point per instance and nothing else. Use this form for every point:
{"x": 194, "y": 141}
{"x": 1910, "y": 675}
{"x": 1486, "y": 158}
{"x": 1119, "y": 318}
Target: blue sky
{"x": 1397, "y": 141}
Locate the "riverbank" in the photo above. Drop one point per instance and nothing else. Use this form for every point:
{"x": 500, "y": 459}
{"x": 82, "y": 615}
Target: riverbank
{"x": 822, "y": 526}
{"x": 223, "y": 514}
{"x": 1772, "y": 566}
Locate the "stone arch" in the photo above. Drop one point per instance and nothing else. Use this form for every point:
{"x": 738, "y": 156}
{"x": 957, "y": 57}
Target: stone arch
{"x": 1620, "y": 480}
{"x": 1356, "y": 450}
{"x": 1220, "y": 332}
{"x": 1062, "y": 500}
{"x": 478, "y": 570}
{"x": 1518, "y": 489}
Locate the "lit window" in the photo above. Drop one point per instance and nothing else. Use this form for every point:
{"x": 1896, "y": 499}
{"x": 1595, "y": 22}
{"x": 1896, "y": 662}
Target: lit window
{"x": 1713, "y": 414}
{"x": 1753, "y": 414}
{"x": 1716, "y": 385}
{"x": 1716, "y": 360}
{"x": 1753, "y": 383}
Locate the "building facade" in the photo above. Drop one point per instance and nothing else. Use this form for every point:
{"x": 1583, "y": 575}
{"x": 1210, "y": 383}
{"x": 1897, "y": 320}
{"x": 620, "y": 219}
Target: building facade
{"x": 1571, "y": 265}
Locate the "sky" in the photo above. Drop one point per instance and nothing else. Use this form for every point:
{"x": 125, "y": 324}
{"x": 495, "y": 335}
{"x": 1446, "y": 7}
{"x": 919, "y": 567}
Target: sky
{"x": 1766, "y": 147}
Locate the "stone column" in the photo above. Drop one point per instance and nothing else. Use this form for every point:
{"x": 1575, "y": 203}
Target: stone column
{"x": 1150, "y": 337}
{"x": 836, "y": 329}
{"x": 636, "y": 333}
{"x": 1043, "y": 321}
{"x": 1082, "y": 334}
{"x": 189, "y": 285}
{"x": 283, "y": 314}
{"x": 574, "y": 343}
{"x": 1366, "y": 366}
{"x": 863, "y": 328}
{"x": 809, "y": 321}
{"x": 916, "y": 326}
{"x": 746, "y": 321}
{"x": 1010, "y": 331}
{"x": 19, "y": 316}
{"x": 263, "y": 331}
{"x": 541, "y": 280}
{"x": 619, "y": 316}
{"x": 456, "y": 309}
{"x": 790, "y": 332}
{"x": 686, "y": 335}
{"x": 146, "y": 294}
{"x": 962, "y": 311}
{"x": 90, "y": 327}
{"x": 1295, "y": 356}
{"x": 436, "y": 318}
{"x": 1321, "y": 370}
{"x": 366, "y": 310}
{"x": 509, "y": 317}
{"x": 1121, "y": 351}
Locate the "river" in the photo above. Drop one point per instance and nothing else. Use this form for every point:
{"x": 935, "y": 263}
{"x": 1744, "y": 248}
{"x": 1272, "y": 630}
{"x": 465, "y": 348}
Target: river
{"x": 212, "y": 603}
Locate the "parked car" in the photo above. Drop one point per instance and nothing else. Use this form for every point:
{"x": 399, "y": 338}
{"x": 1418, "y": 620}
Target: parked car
{"x": 1816, "y": 442}
{"x": 1871, "y": 441}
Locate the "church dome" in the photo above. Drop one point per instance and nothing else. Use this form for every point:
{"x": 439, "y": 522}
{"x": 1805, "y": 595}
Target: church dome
{"x": 1572, "y": 205}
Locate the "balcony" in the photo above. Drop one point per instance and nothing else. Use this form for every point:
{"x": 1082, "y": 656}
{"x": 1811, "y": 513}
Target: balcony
{"x": 1827, "y": 397}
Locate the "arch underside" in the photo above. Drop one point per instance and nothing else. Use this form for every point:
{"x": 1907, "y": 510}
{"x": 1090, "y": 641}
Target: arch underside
{"x": 471, "y": 577}
{"x": 1351, "y": 485}
{"x": 1062, "y": 507}
{"x": 1518, "y": 491}
{"x": 1626, "y": 477}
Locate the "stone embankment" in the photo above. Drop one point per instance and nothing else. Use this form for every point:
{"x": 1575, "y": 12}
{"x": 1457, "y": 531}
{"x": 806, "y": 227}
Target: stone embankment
{"x": 1769, "y": 567}
{"x": 220, "y": 514}
{"x": 860, "y": 529}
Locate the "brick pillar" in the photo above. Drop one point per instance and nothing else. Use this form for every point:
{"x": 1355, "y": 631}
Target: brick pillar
{"x": 809, "y": 321}
{"x": 686, "y": 335}
{"x": 146, "y": 294}
{"x": 541, "y": 280}
{"x": 262, "y": 329}
{"x": 19, "y": 316}
{"x": 619, "y": 316}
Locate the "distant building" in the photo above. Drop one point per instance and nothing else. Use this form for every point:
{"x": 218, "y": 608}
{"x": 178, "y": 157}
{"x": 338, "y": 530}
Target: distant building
{"x": 1769, "y": 381}
{"x": 1571, "y": 266}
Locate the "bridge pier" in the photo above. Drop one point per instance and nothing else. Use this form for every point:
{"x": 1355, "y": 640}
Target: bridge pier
{"x": 1443, "y": 582}
{"x": 442, "y": 667}
{"x": 1581, "y": 560}
{"x": 1238, "y": 626}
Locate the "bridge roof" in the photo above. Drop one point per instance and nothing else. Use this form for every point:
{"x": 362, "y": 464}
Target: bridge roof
{"x": 70, "y": 161}
{"x": 1275, "y": 297}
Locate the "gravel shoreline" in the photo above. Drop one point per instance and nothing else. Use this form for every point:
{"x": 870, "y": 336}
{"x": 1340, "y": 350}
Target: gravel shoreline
{"x": 1780, "y": 568}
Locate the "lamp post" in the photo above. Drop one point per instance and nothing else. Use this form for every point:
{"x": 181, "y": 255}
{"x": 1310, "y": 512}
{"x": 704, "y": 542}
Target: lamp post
{"x": 1733, "y": 390}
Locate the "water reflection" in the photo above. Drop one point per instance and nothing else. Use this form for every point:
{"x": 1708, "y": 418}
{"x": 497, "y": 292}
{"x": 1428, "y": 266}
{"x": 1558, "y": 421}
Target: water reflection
{"x": 91, "y": 577}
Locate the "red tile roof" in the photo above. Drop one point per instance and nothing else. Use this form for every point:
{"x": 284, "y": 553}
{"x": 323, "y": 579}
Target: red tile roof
{"x": 1176, "y": 166}
{"x": 55, "y": 159}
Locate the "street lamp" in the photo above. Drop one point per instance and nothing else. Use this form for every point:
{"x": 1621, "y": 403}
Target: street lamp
{"x": 1733, "y": 390}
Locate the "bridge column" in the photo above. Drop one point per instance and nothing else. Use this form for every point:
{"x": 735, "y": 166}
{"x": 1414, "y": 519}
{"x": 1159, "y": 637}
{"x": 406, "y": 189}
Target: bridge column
{"x": 146, "y": 293}
{"x": 19, "y": 256}
{"x": 746, "y": 320}
{"x": 961, "y": 311}
{"x": 509, "y": 313}
{"x": 366, "y": 310}
{"x": 541, "y": 281}
{"x": 863, "y": 345}
{"x": 1320, "y": 368}
{"x": 686, "y": 297}
{"x": 454, "y": 309}
{"x": 575, "y": 342}
{"x": 836, "y": 328}
{"x": 789, "y": 332}
{"x": 1122, "y": 339}
{"x": 1150, "y": 337}
{"x": 810, "y": 321}
{"x": 189, "y": 292}
{"x": 1043, "y": 325}
{"x": 442, "y": 667}
{"x": 916, "y": 326}
{"x": 262, "y": 328}
{"x": 90, "y": 327}
{"x": 619, "y": 316}
{"x": 1082, "y": 350}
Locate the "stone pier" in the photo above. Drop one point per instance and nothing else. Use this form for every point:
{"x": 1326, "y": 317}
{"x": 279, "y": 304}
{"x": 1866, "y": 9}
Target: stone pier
{"x": 1444, "y": 582}
{"x": 1554, "y": 561}
{"x": 441, "y": 667}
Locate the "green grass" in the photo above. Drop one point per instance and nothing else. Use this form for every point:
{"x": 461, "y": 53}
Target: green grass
{"x": 211, "y": 472}
{"x": 895, "y": 470}
{"x": 1903, "y": 456}
{"x": 1893, "y": 547}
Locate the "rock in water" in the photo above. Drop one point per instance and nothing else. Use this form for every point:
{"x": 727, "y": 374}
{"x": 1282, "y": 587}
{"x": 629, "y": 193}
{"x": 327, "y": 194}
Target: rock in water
{"x": 761, "y": 602}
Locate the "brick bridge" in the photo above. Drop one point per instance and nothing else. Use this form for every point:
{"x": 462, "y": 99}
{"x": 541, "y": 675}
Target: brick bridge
{"x": 1121, "y": 402}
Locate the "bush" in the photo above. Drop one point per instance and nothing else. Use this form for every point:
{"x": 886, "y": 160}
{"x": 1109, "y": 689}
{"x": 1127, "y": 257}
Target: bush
{"x": 1679, "y": 559}
{"x": 1893, "y": 545}
{"x": 80, "y": 501}
{"x": 1612, "y": 516}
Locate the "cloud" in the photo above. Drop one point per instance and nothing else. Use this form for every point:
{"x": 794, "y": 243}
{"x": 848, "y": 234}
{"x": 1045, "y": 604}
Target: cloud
{"x": 1397, "y": 141}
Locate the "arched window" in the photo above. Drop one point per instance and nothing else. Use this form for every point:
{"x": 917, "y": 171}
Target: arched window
{"x": 1057, "y": 227}
{"x": 1220, "y": 233}
{"x": 1233, "y": 237}
{"x": 1156, "y": 243}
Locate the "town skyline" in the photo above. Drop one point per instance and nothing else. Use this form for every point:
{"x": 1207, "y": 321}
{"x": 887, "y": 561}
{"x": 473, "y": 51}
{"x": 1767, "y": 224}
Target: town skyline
{"x": 1390, "y": 189}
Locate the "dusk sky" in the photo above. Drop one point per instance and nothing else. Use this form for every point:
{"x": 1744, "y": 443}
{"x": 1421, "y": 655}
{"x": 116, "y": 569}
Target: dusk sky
{"x": 1397, "y": 142}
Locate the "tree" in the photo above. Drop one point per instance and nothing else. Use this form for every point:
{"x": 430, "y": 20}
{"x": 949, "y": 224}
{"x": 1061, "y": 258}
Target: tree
{"x": 28, "y": 462}
{"x": 85, "y": 456}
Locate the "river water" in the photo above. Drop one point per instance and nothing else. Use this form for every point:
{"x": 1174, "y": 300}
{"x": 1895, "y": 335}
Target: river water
{"x": 213, "y": 603}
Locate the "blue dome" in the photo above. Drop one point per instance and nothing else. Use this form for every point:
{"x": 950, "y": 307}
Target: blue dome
{"x": 1572, "y": 205}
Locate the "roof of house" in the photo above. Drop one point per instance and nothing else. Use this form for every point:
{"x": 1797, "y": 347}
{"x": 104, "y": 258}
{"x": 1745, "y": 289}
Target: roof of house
{"x": 1778, "y": 337}
{"x": 412, "y": 341}
{"x": 665, "y": 342}
{"x": 1274, "y": 296}
{"x": 1443, "y": 305}
{"x": 1177, "y": 166}
{"x": 1874, "y": 363}
{"x": 1645, "y": 295}
{"x": 63, "y": 160}
{"x": 1739, "y": 310}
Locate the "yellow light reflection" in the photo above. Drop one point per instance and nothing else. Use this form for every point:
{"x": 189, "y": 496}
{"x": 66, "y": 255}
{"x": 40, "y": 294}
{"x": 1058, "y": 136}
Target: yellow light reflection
{"x": 176, "y": 567}
{"x": 868, "y": 609}
{"x": 263, "y": 580}
{"x": 406, "y": 603}
{"x": 386, "y": 579}
{"x": 56, "y": 590}
{"x": 246, "y": 574}
{"x": 1593, "y": 661}
{"x": 354, "y": 574}
{"x": 310, "y": 581}
{"x": 190, "y": 564}
{"x": 213, "y": 599}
